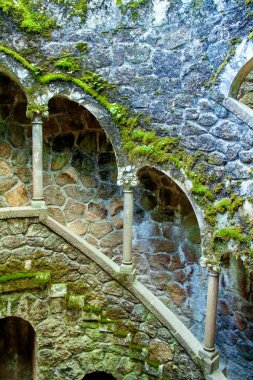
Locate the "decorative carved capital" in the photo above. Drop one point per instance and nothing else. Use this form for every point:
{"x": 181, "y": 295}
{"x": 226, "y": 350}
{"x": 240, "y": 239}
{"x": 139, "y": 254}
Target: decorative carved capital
{"x": 127, "y": 177}
{"x": 213, "y": 268}
{"x": 37, "y": 112}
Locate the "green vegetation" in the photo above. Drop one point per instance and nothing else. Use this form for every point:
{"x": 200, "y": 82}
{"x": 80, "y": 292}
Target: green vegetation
{"x": 15, "y": 282}
{"x": 67, "y": 63}
{"x": 131, "y": 6}
{"x": 144, "y": 145}
{"x": 92, "y": 309}
{"x": 27, "y": 18}
{"x": 43, "y": 277}
{"x": 228, "y": 233}
{"x": 82, "y": 46}
{"x": 222, "y": 66}
{"x": 229, "y": 205}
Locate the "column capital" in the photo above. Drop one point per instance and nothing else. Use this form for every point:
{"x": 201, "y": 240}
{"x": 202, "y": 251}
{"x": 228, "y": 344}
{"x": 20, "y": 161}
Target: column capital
{"x": 36, "y": 112}
{"x": 214, "y": 269}
{"x": 127, "y": 177}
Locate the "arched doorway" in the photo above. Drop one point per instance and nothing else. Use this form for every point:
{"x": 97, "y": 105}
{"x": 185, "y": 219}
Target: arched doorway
{"x": 15, "y": 149}
{"x": 17, "y": 349}
{"x": 98, "y": 375}
{"x": 167, "y": 244}
{"x": 80, "y": 171}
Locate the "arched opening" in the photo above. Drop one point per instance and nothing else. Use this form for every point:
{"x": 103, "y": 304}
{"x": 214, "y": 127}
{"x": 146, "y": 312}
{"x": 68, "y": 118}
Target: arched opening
{"x": 17, "y": 349}
{"x": 244, "y": 90}
{"x": 167, "y": 245}
{"x": 239, "y": 79}
{"x": 98, "y": 375}
{"x": 15, "y": 145}
{"x": 80, "y": 171}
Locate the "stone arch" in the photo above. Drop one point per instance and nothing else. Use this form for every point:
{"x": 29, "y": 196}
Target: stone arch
{"x": 20, "y": 74}
{"x": 15, "y": 147}
{"x": 98, "y": 375}
{"x": 80, "y": 168}
{"x": 74, "y": 93}
{"x": 239, "y": 78}
{"x": 185, "y": 186}
{"x": 167, "y": 243}
{"x": 17, "y": 349}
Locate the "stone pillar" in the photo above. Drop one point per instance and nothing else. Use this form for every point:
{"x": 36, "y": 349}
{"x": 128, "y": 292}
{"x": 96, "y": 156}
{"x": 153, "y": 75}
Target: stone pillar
{"x": 37, "y": 154}
{"x": 128, "y": 181}
{"x": 211, "y": 309}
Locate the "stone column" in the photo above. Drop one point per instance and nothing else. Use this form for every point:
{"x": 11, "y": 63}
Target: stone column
{"x": 37, "y": 153}
{"x": 211, "y": 309}
{"x": 128, "y": 180}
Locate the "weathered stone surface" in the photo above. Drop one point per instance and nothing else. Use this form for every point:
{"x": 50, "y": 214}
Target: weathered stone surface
{"x": 112, "y": 240}
{"x": 67, "y": 177}
{"x": 176, "y": 293}
{"x": 79, "y": 227}
{"x": 207, "y": 119}
{"x": 100, "y": 229}
{"x": 5, "y": 149}
{"x": 227, "y": 131}
{"x": 73, "y": 210}
{"x": 24, "y": 174}
{"x": 57, "y": 214}
{"x": 17, "y": 197}
{"x": 246, "y": 156}
{"x": 160, "y": 351}
{"x": 54, "y": 196}
{"x": 117, "y": 222}
{"x": 113, "y": 288}
{"x": 59, "y": 161}
{"x": 95, "y": 212}
{"x": 6, "y": 184}
{"x": 5, "y": 169}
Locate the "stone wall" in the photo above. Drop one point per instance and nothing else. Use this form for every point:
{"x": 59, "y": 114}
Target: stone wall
{"x": 165, "y": 64}
{"x": 83, "y": 319}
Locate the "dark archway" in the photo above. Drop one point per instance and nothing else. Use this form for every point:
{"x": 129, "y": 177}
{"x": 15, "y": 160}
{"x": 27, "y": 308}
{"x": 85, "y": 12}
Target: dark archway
{"x": 15, "y": 147}
{"x": 17, "y": 349}
{"x": 98, "y": 375}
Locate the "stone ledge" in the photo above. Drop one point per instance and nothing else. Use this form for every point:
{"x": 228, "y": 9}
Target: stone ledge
{"x": 242, "y": 111}
{"x": 19, "y": 212}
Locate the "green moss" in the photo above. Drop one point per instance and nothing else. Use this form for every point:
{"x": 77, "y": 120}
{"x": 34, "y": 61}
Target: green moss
{"x": 67, "y": 63}
{"x": 235, "y": 40}
{"x": 121, "y": 333}
{"x": 228, "y": 233}
{"x": 80, "y": 8}
{"x": 33, "y": 69}
{"x": 42, "y": 276}
{"x": 202, "y": 190}
{"x": 25, "y": 15}
{"x": 222, "y": 66}
{"x": 197, "y": 4}
{"x": 229, "y": 205}
{"x": 131, "y": 6}
{"x": 25, "y": 280}
{"x": 136, "y": 347}
{"x": 75, "y": 301}
{"x": 82, "y": 46}
{"x": 92, "y": 309}
{"x": 153, "y": 363}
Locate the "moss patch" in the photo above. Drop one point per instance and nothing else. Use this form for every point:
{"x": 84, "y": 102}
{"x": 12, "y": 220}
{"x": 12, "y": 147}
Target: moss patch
{"x": 26, "y": 16}
{"x": 21, "y": 281}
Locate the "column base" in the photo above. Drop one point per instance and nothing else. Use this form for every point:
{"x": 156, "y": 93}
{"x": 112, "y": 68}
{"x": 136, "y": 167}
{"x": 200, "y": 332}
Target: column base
{"x": 210, "y": 360}
{"x": 38, "y": 203}
{"x": 127, "y": 268}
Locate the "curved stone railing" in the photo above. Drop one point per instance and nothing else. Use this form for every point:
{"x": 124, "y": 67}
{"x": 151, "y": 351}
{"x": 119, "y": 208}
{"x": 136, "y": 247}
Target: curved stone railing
{"x": 208, "y": 360}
